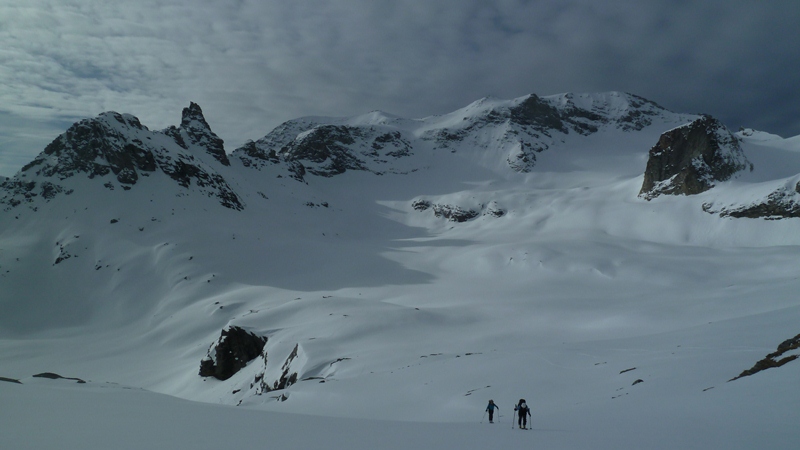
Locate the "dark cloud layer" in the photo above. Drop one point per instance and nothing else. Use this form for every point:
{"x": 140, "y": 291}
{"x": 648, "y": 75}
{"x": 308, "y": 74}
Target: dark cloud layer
{"x": 252, "y": 64}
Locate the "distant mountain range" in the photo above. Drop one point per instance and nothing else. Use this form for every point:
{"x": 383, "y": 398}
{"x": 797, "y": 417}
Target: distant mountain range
{"x": 334, "y": 249}
{"x": 504, "y": 135}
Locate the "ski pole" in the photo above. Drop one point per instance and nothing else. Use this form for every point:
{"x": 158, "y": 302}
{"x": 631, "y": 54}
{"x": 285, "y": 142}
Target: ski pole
{"x": 484, "y": 415}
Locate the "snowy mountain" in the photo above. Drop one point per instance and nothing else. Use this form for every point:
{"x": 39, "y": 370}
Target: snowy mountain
{"x": 612, "y": 262}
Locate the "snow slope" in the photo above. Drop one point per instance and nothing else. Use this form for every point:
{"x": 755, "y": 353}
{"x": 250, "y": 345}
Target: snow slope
{"x": 406, "y": 323}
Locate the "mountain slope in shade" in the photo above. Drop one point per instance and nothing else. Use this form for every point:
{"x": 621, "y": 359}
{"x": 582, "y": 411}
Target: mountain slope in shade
{"x": 500, "y": 251}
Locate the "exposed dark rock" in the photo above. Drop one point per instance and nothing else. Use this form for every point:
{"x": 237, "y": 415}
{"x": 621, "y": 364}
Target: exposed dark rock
{"x": 775, "y": 359}
{"x": 327, "y": 150}
{"x": 288, "y": 377}
{"x": 640, "y": 114}
{"x": 297, "y": 171}
{"x": 454, "y": 213}
{"x": 691, "y": 159}
{"x": 394, "y": 140}
{"x": 63, "y": 254}
{"x": 288, "y": 374}
{"x": 421, "y": 205}
{"x": 250, "y": 151}
{"x": 18, "y": 191}
{"x": 10, "y": 380}
{"x": 327, "y": 147}
{"x": 175, "y": 134}
{"x": 781, "y": 204}
{"x": 55, "y": 376}
{"x": 199, "y": 132}
{"x": 231, "y": 352}
{"x": 94, "y": 147}
{"x": 117, "y": 144}
{"x": 538, "y": 113}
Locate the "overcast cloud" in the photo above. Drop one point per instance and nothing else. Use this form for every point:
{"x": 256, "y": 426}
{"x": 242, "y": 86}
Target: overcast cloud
{"x": 252, "y": 64}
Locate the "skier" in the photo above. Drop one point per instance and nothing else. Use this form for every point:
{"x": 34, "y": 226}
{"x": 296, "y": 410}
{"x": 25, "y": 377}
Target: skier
{"x": 491, "y": 407}
{"x": 522, "y": 412}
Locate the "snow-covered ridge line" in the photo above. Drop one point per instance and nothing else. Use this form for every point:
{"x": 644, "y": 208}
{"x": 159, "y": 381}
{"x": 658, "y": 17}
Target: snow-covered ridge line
{"x": 501, "y": 251}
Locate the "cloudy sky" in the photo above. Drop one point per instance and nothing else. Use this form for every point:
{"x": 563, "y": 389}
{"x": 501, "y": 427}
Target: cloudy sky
{"x": 252, "y": 64}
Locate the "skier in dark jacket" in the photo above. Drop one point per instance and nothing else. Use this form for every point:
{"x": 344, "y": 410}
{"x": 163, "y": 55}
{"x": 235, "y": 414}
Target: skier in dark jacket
{"x": 522, "y": 412}
{"x": 491, "y": 409}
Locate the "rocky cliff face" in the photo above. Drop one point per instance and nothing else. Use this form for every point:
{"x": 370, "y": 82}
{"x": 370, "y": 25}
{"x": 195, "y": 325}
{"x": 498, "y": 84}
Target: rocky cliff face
{"x": 120, "y": 151}
{"x": 231, "y": 352}
{"x": 691, "y": 159}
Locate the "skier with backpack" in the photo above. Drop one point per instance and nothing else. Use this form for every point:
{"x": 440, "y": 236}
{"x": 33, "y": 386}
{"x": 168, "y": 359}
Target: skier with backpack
{"x": 522, "y": 412}
{"x": 490, "y": 408}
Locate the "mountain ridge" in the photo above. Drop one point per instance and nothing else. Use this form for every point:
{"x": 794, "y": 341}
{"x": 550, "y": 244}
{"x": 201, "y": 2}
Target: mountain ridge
{"x": 518, "y": 129}
{"x": 375, "y": 253}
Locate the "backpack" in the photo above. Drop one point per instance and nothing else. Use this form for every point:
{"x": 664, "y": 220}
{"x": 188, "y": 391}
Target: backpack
{"x": 523, "y": 407}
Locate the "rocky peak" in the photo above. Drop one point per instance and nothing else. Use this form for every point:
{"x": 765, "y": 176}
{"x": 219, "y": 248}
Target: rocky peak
{"x": 691, "y": 159}
{"x": 97, "y": 147}
{"x": 192, "y": 118}
{"x": 196, "y": 131}
{"x": 119, "y": 145}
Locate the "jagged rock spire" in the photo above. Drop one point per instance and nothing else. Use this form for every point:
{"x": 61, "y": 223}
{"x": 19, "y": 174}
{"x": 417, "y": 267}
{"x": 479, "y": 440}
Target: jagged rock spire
{"x": 193, "y": 113}
{"x": 199, "y": 133}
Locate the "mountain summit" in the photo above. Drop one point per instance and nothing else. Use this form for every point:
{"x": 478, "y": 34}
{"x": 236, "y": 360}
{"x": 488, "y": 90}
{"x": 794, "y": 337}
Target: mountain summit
{"x": 117, "y": 150}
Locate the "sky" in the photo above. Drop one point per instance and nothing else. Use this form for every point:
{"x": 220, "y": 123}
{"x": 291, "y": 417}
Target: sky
{"x": 253, "y": 64}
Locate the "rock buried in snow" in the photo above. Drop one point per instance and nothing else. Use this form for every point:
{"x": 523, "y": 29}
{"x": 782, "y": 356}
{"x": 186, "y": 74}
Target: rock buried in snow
{"x": 454, "y": 213}
{"x": 55, "y": 376}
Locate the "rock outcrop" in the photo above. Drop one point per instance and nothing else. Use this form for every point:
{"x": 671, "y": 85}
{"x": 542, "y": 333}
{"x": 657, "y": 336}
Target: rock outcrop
{"x": 782, "y": 203}
{"x": 787, "y": 351}
{"x": 455, "y": 213}
{"x": 231, "y": 352}
{"x": 691, "y": 159}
